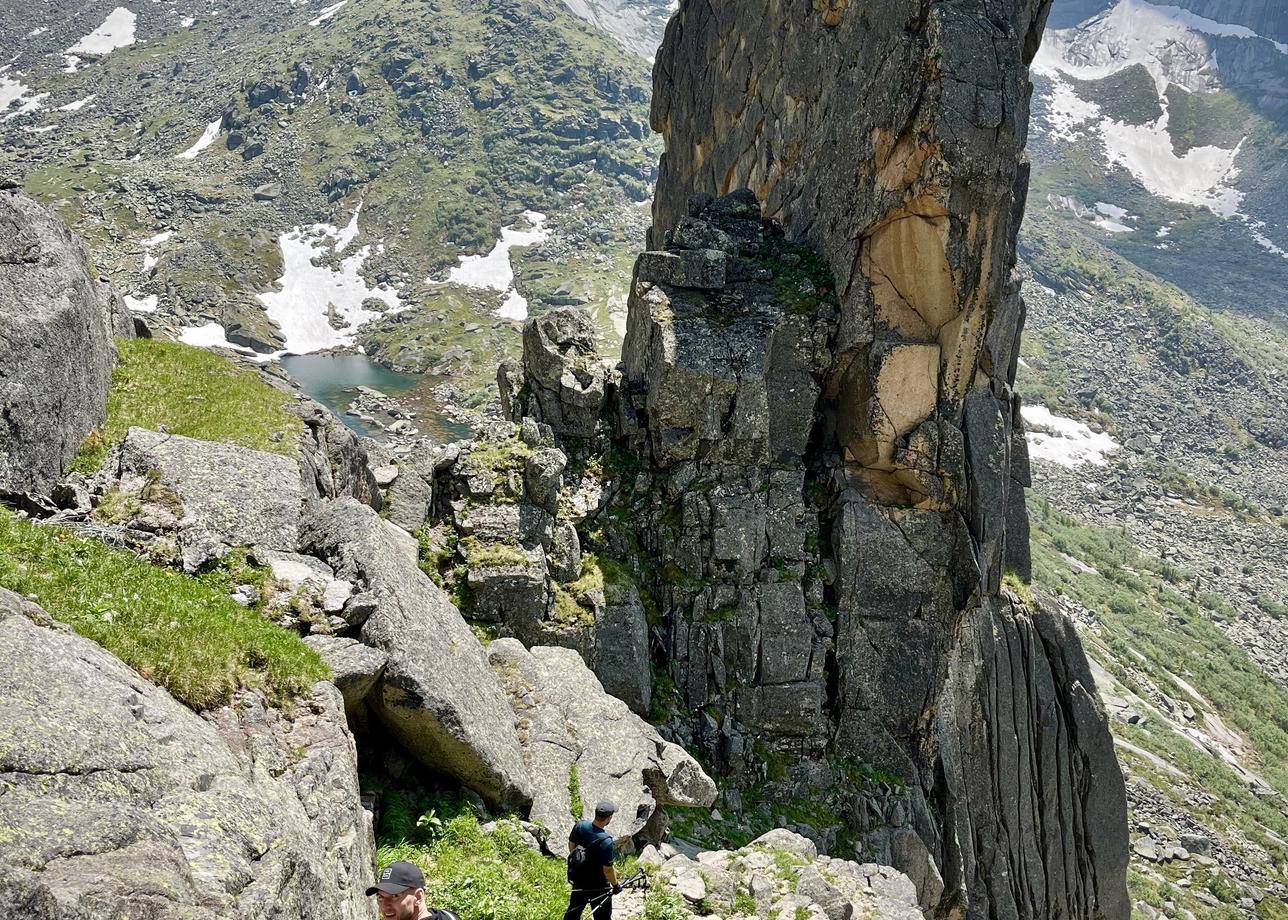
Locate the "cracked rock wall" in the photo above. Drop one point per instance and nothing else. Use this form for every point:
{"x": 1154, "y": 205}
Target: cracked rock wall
{"x": 889, "y": 137}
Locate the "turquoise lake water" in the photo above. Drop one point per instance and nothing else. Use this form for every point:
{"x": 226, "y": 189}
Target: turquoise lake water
{"x": 330, "y": 379}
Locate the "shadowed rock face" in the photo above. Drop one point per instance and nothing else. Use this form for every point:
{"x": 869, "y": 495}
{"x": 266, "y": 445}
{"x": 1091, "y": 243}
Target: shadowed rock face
{"x": 882, "y": 428}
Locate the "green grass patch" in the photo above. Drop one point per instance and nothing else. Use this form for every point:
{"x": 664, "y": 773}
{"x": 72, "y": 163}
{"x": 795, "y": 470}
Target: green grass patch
{"x": 191, "y": 392}
{"x": 183, "y": 633}
{"x": 480, "y": 876}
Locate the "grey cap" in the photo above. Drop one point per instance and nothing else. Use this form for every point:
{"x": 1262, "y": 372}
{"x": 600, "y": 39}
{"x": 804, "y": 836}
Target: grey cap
{"x": 606, "y": 808}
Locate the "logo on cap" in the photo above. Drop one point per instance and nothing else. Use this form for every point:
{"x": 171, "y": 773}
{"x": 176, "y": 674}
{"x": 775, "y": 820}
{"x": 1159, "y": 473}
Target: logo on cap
{"x": 385, "y": 876}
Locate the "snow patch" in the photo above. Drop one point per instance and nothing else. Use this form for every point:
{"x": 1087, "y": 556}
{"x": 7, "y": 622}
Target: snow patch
{"x": 187, "y": 22}
{"x": 1107, "y": 217}
{"x": 13, "y": 92}
{"x": 77, "y": 105}
{"x": 494, "y": 270}
{"x": 328, "y": 12}
{"x": 117, "y": 31}
{"x": 212, "y": 335}
{"x": 207, "y": 138}
{"x": 1199, "y": 178}
{"x": 1064, "y": 441}
{"x": 141, "y": 304}
{"x": 1255, "y": 228}
{"x": 149, "y": 260}
{"x": 1066, "y": 111}
{"x": 34, "y": 32}
{"x": 311, "y": 294}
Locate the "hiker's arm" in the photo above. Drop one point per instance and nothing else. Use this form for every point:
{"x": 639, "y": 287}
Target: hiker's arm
{"x": 571, "y": 846}
{"x": 610, "y": 873}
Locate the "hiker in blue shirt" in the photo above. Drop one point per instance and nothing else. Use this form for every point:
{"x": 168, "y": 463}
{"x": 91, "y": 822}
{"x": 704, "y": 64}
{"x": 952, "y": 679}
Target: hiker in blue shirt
{"x": 590, "y": 866}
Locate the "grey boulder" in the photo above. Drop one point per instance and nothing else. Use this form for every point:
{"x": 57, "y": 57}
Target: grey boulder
{"x": 118, "y": 801}
{"x": 570, "y": 727}
{"x": 56, "y": 344}
{"x": 437, "y": 696}
{"x": 242, "y": 497}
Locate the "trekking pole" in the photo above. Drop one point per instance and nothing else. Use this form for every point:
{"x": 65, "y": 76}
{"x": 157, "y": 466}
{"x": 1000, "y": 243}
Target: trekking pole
{"x": 638, "y": 880}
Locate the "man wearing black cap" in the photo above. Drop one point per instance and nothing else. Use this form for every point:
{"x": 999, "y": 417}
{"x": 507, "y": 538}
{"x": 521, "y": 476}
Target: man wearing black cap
{"x": 401, "y": 894}
{"x": 590, "y": 866}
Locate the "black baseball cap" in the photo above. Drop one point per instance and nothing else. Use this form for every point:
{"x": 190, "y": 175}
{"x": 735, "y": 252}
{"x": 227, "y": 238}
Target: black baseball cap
{"x": 606, "y": 808}
{"x": 397, "y": 877}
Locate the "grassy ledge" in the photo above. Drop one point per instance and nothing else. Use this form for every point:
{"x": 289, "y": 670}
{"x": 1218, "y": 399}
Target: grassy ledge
{"x": 183, "y": 633}
{"x": 192, "y": 392}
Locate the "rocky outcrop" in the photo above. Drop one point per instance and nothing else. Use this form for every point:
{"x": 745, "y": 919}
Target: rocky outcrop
{"x": 578, "y": 740}
{"x": 210, "y": 492}
{"x": 436, "y": 695}
{"x": 118, "y": 801}
{"x": 784, "y": 876}
{"x": 57, "y": 347}
{"x": 833, "y": 456}
{"x": 333, "y": 463}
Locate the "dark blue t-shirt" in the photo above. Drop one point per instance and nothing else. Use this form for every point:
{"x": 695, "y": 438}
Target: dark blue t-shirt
{"x": 597, "y": 841}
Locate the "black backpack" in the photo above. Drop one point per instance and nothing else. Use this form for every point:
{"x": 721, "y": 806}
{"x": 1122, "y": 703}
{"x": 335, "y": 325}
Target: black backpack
{"x": 436, "y": 914}
{"x": 578, "y": 865}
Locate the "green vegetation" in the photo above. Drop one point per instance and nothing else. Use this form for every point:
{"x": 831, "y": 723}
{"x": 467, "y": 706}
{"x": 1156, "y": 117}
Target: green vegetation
{"x": 664, "y": 904}
{"x": 1016, "y": 586}
{"x": 184, "y": 633}
{"x": 576, "y": 805}
{"x": 802, "y": 279}
{"x": 480, "y": 876}
{"x": 1154, "y": 635}
{"x": 191, "y": 392}
{"x": 481, "y": 555}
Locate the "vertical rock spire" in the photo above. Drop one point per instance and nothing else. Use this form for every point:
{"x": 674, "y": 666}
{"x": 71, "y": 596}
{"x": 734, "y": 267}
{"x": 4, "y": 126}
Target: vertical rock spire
{"x": 887, "y": 136}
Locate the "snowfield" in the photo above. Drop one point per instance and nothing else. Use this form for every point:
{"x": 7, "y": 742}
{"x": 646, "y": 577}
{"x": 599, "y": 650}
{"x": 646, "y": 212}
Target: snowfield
{"x": 1173, "y": 46}
{"x": 494, "y": 270}
{"x": 15, "y": 91}
{"x": 117, "y": 31}
{"x": 312, "y": 295}
{"x": 1064, "y": 441}
{"x": 207, "y": 138}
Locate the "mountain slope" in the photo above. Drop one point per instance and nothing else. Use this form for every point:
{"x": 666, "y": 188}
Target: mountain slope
{"x": 187, "y": 155}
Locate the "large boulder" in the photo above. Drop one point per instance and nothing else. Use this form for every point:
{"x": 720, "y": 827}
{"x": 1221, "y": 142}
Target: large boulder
{"x": 239, "y": 496}
{"x": 566, "y": 378}
{"x": 118, "y": 801}
{"x": 56, "y": 344}
{"x": 437, "y": 696}
{"x": 577, "y": 738}
{"x": 333, "y": 462}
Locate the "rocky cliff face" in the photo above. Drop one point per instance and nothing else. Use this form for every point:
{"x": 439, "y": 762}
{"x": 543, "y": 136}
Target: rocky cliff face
{"x": 118, "y": 801}
{"x": 845, "y": 470}
{"x": 55, "y": 329}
